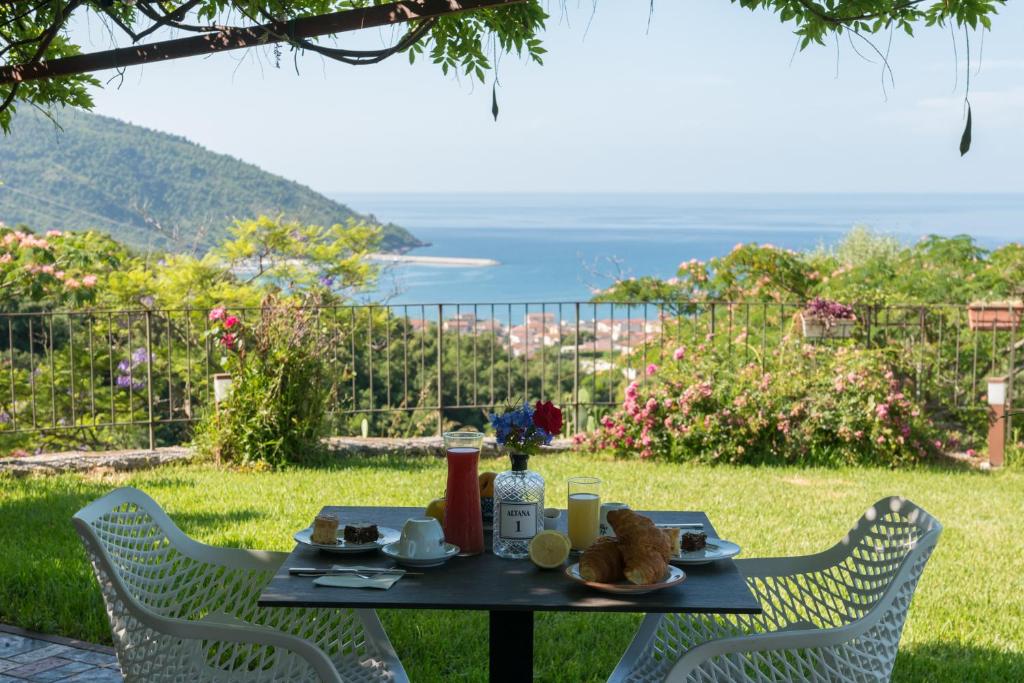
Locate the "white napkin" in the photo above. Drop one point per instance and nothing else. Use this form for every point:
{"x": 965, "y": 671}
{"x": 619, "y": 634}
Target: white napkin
{"x": 381, "y": 581}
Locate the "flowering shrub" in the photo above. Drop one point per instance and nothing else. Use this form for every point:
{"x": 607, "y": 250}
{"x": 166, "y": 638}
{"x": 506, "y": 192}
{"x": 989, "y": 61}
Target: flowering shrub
{"x": 814, "y": 406}
{"x": 275, "y": 412}
{"x": 828, "y": 311}
{"x": 127, "y": 375}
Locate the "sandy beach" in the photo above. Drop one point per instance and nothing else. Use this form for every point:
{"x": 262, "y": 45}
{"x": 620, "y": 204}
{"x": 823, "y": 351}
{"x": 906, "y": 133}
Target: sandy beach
{"x": 446, "y": 261}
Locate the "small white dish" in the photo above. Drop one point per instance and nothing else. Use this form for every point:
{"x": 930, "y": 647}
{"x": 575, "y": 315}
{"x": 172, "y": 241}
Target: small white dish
{"x": 384, "y": 535}
{"x": 716, "y": 549}
{"x": 392, "y": 550}
{"x": 673, "y": 577}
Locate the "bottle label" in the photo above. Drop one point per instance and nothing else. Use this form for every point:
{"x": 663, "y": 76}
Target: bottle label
{"x": 518, "y": 520}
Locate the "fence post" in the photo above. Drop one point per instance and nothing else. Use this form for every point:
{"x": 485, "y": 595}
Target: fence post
{"x": 149, "y": 376}
{"x": 576, "y": 375}
{"x": 1010, "y": 382}
{"x": 440, "y": 370}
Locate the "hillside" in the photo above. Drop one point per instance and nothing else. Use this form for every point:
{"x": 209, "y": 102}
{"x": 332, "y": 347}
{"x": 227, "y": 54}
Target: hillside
{"x": 146, "y": 188}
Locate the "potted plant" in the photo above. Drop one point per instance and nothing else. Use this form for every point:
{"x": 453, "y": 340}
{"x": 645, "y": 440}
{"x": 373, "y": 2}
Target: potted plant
{"x": 823, "y": 318}
{"x": 995, "y": 315}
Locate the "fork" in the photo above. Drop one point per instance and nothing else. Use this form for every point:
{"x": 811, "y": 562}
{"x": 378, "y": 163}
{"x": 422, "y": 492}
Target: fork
{"x": 361, "y": 573}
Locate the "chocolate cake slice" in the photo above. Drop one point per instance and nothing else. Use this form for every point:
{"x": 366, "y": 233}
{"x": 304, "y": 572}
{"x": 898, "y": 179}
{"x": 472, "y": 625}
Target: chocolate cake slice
{"x": 361, "y": 533}
{"x": 691, "y": 542}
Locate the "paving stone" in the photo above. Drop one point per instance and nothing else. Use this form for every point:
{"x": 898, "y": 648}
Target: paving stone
{"x": 7, "y": 664}
{"x": 11, "y": 645}
{"x": 61, "y": 672}
{"x": 29, "y": 670}
{"x": 51, "y": 650}
{"x": 94, "y": 676}
{"x": 91, "y": 657}
{"x": 9, "y": 679}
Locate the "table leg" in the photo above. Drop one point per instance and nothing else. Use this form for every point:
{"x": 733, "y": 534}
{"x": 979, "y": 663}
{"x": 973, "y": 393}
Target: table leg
{"x": 511, "y": 646}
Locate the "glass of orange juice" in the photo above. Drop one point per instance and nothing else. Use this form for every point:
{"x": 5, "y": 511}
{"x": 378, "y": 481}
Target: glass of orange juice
{"x": 584, "y": 511}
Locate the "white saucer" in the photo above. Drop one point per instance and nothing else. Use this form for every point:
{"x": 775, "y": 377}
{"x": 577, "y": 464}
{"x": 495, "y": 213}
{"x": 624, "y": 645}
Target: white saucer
{"x": 391, "y": 550}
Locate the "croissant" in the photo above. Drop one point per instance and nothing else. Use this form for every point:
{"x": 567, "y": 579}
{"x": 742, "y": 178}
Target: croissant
{"x": 602, "y": 561}
{"x": 645, "y": 549}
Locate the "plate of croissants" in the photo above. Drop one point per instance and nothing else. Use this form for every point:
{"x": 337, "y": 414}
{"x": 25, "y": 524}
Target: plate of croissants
{"x": 634, "y": 561}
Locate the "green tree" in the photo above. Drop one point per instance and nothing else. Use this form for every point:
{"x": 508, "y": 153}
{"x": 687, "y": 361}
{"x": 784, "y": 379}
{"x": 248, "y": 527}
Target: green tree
{"x": 467, "y": 42}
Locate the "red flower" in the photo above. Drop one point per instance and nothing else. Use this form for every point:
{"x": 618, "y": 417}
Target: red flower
{"x": 548, "y": 417}
{"x": 228, "y": 341}
{"x": 230, "y": 322}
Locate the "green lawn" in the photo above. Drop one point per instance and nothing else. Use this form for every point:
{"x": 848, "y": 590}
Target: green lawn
{"x": 966, "y": 623}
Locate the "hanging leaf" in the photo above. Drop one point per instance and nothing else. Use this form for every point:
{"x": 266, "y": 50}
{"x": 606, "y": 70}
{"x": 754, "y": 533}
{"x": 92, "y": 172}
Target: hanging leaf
{"x": 965, "y": 139}
{"x": 494, "y": 100}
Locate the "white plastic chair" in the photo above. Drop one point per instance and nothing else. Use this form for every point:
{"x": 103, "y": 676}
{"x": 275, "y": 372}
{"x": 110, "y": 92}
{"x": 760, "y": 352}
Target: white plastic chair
{"x": 183, "y": 611}
{"x": 835, "y": 616}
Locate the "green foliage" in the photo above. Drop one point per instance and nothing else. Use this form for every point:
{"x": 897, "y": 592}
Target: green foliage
{"x": 820, "y": 406}
{"x": 147, "y": 189}
{"x": 864, "y": 268}
{"x": 459, "y": 43}
{"x": 275, "y": 412}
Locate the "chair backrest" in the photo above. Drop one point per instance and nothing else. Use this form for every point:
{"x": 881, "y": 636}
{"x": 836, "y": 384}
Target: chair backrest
{"x": 844, "y": 583}
{"x": 892, "y": 534}
{"x": 156, "y": 563}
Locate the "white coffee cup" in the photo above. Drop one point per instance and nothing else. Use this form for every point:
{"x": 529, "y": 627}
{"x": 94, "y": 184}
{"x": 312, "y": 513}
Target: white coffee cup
{"x": 605, "y": 529}
{"x": 422, "y": 539}
{"x": 551, "y": 517}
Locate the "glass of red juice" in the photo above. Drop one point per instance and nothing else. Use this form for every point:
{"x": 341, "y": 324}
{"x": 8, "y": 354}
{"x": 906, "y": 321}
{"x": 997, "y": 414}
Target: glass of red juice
{"x": 463, "y": 519}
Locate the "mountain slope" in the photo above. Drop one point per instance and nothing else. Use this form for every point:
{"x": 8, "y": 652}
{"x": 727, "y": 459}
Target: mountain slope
{"x": 147, "y": 188}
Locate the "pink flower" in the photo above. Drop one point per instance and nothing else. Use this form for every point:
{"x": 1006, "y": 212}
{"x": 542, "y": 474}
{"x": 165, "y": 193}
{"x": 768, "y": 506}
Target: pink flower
{"x": 53, "y": 233}
{"x": 651, "y": 369}
{"x": 49, "y": 269}
{"x": 228, "y": 341}
{"x": 880, "y": 439}
{"x": 938, "y": 444}
{"x": 72, "y": 283}
{"x": 89, "y": 280}
{"x": 679, "y": 353}
{"x": 217, "y": 313}
{"x": 971, "y": 453}
{"x": 6, "y": 258}
{"x": 230, "y": 322}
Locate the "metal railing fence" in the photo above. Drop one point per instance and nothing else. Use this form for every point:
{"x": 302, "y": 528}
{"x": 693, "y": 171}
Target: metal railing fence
{"x": 141, "y": 377}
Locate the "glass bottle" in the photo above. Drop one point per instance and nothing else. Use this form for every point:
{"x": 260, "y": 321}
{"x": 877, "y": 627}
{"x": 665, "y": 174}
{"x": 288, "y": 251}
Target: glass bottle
{"x": 518, "y": 509}
{"x": 463, "y": 520}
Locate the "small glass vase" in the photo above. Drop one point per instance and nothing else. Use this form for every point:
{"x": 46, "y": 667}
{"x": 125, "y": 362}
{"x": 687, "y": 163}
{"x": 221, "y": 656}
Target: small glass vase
{"x": 518, "y": 508}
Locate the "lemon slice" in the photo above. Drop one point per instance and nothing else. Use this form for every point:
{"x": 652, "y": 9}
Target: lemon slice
{"x": 549, "y": 549}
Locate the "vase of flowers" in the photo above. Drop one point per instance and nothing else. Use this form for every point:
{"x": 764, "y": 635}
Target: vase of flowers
{"x": 823, "y": 318}
{"x": 519, "y": 492}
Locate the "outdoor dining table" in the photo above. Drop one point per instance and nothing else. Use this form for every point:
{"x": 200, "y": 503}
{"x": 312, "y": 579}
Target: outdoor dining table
{"x": 510, "y": 590}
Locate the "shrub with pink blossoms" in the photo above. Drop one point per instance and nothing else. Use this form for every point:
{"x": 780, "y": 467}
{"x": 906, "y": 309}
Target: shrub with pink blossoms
{"x": 704, "y": 407}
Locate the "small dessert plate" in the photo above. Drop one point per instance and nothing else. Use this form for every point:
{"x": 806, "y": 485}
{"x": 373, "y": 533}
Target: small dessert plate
{"x": 673, "y": 576}
{"x": 385, "y": 535}
{"x": 391, "y": 550}
{"x": 716, "y": 549}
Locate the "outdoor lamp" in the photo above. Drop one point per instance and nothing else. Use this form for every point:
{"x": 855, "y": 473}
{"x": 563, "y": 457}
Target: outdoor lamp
{"x": 221, "y": 387}
{"x": 996, "y": 420}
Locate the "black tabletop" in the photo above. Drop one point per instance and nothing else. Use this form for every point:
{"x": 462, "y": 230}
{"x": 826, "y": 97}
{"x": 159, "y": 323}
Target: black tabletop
{"x": 487, "y": 582}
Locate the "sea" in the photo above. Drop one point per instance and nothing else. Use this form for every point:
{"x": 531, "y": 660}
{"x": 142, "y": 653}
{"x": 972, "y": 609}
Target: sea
{"x": 553, "y": 247}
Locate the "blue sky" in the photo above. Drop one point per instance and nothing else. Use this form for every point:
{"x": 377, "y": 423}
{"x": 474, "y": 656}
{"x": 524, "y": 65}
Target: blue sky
{"x": 710, "y": 99}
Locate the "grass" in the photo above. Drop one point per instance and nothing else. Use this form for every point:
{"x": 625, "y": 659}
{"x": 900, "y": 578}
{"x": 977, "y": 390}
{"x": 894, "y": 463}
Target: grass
{"x": 966, "y": 622}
